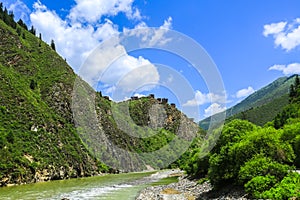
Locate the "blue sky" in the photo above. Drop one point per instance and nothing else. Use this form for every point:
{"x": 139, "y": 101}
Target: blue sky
{"x": 251, "y": 42}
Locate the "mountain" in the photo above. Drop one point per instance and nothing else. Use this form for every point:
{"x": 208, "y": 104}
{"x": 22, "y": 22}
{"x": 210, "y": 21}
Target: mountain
{"x": 37, "y": 135}
{"x": 261, "y": 106}
{"x": 40, "y": 137}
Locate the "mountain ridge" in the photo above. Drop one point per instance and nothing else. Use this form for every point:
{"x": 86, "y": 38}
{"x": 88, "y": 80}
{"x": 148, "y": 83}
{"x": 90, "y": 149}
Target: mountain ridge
{"x": 274, "y": 91}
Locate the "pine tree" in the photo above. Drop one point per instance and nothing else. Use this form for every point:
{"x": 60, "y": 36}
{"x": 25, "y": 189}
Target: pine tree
{"x": 33, "y": 84}
{"x": 32, "y": 30}
{"x": 5, "y": 16}
{"x": 296, "y": 94}
{"x": 19, "y": 31}
{"x": 53, "y": 45}
{"x": 1, "y": 10}
{"x": 292, "y": 91}
{"x": 12, "y": 22}
{"x": 297, "y": 82}
{"x": 22, "y": 24}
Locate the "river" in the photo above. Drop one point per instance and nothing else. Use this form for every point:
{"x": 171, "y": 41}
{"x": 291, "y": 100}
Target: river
{"x": 114, "y": 187}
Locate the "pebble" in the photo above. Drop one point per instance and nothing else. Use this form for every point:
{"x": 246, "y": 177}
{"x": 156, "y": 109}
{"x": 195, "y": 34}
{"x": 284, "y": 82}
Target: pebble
{"x": 186, "y": 189}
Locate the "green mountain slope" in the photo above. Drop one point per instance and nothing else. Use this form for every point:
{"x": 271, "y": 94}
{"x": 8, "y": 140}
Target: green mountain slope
{"x": 39, "y": 139}
{"x": 261, "y": 106}
{"x": 260, "y": 115}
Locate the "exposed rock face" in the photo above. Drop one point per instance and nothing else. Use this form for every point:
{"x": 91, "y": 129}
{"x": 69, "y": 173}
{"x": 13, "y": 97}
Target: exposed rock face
{"x": 50, "y": 173}
{"x": 157, "y": 116}
{"x": 60, "y": 99}
{"x": 115, "y": 131}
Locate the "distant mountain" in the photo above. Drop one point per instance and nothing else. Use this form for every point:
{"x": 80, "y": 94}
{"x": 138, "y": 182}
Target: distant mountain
{"x": 39, "y": 139}
{"x": 261, "y": 106}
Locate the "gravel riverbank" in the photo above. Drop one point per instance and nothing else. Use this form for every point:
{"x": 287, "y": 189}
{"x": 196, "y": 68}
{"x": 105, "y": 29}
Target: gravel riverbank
{"x": 186, "y": 189}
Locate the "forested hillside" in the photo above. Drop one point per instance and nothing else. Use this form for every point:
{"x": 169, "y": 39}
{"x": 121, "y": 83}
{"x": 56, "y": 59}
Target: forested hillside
{"x": 261, "y": 106}
{"x": 39, "y": 140}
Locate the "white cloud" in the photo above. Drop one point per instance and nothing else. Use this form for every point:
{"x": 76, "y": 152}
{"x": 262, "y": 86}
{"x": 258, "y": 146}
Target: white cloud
{"x": 21, "y": 11}
{"x": 213, "y": 109}
{"x": 158, "y": 37}
{"x": 75, "y": 40}
{"x": 201, "y": 98}
{"x": 85, "y": 28}
{"x": 293, "y": 68}
{"x": 105, "y": 30}
{"x": 131, "y": 74}
{"x": 117, "y": 71}
{"x": 92, "y": 10}
{"x": 274, "y": 28}
{"x": 151, "y": 36}
{"x": 138, "y": 95}
{"x": 286, "y": 35}
{"x": 244, "y": 92}
{"x": 72, "y": 41}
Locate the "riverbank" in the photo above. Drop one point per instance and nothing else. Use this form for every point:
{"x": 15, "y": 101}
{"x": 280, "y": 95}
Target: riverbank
{"x": 124, "y": 186}
{"x": 186, "y": 189}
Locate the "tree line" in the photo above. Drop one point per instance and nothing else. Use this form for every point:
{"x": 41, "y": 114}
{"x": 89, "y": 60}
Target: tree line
{"x": 8, "y": 18}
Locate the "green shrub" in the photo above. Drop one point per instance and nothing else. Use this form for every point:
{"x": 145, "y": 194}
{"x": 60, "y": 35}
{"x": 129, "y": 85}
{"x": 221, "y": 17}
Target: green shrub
{"x": 198, "y": 167}
{"x": 215, "y": 171}
{"x": 232, "y": 132}
{"x": 288, "y": 188}
{"x": 263, "y": 141}
{"x": 226, "y": 165}
{"x": 291, "y": 134}
{"x": 257, "y": 185}
{"x": 3, "y": 109}
{"x": 262, "y": 166}
{"x": 296, "y": 147}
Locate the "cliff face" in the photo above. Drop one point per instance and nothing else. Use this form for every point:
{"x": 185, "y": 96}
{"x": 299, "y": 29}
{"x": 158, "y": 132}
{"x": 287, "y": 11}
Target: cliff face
{"x": 40, "y": 139}
{"x": 131, "y": 135}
